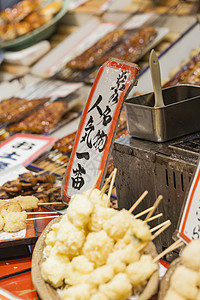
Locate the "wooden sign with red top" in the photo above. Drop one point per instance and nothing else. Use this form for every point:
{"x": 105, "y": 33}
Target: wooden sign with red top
{"x": 97, "y": 127}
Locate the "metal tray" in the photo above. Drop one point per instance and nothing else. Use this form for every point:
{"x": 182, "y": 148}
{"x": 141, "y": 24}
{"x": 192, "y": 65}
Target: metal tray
{"x": 179, "y": 116}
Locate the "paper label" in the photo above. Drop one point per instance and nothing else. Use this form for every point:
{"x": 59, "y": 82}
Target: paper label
{"x": 22, "y": 149}
{"x": 97, "y": 127}
{"x": 189, "y": 227}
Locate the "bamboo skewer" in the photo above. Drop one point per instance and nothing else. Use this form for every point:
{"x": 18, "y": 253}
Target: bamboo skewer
{"x": 41, "y": 213}
{"x": 171, "y": 248}
{"x": 94, "y": 185}
{"x": 138, "y": 201}
{"x": 143, "y": 212}
{"x": 112, "y": 183}
{"x": 106, "y": 184}
{"x": 49, "y": 203}
{"x": 155, "y": 205}
{"x": 163, "y": 228}
{"x": 159, "y": 226}
{"x": 153, "y": 218}
{"x": 41, "y": 218}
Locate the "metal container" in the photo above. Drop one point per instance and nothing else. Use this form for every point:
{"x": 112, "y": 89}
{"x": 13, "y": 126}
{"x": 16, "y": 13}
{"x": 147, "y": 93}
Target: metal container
{"x": 179, "y": 116}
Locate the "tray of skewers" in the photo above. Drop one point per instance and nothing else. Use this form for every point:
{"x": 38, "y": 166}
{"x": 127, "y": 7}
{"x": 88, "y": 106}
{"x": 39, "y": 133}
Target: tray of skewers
{"x": 129, "y": 45}
{"x": 29, "y": 21}
{"x": 97, "y": 252}
{"x": 38, "y": 115}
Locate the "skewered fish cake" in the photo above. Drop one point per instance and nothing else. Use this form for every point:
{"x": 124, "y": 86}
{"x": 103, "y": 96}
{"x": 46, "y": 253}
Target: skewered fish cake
{"x": 79, "y": 211}
{"x": 14, "y": 221}
{"x": 26, "y": 202}
{"x": 99, "y": 216}
{"x": 138, "y": 272}
{"x": 96, "y": 197}
{"x": 191, "y": 255}
{"x": 101, "y": 275}
{"x": 172, "y": 295}
{"x": 184, "y": 282}
{"x": 9, "y": 207}
{"x": 79, "y": 291}
{"x": 97, "y": 247}
{"x": 118, "y": 288}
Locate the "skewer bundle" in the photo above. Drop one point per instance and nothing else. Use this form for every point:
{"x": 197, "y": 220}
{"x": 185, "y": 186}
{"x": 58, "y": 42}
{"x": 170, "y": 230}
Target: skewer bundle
{"x": 96, "y": 252}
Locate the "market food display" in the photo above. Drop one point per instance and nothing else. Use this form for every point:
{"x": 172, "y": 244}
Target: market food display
{"x": 14, "y": 108}
{"x": 26, "y": 16}
{"x": 27, "y": 184}
{"x": 116, "y": 44}
{"x": 42, "y": 120}
{"x": 182, "y": 279}
{"x": 188, "y": 74}
{"x": 93, "y": 251}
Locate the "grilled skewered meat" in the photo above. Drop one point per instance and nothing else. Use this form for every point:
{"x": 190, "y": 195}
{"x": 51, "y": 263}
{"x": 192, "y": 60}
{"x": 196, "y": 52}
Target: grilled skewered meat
{"x": 189, "y": 74}
{"x": 87, "y": 58}
{"x": 44, "y": 119}
{"x": 14, "y": 109}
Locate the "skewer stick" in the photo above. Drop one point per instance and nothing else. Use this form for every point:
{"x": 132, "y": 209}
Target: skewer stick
{"x": 41, "y": 218}
{"x": 167, "y": 224}
{"x": 41, "y": 212}
{"x": 112, "y": 183}
{"x": 158, "y": 226}
{"x": 153, "y": 218}
{"x": 143, "y": 212}
{"x": 155, "y": 205}
{"x": 161, "y": 230}
{"x": 171, "y": 248}
{"x": 106, "y": 184}
{"x": 49, "y": 203}
{"x": 94, "y": 185}
{"x": 138, "y": 201}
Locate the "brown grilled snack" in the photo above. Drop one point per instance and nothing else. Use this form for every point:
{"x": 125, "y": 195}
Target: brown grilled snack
{"x": 87, "y": 59}
{"x": 14, "y": 109}
{"x": 42, "y": 120}
{"x": 188, "y": 74}
{"x": 22, "y": 17}
{"x": 132, "y": 47}
{"x": 66, "y": 143}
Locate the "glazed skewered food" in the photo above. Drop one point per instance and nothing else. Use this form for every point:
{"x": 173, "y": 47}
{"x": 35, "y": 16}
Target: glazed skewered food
{"x": 132, "y": 47}
{"x": 14, "y": 109}
{"x": 116, "y": 44}
{"x": 26, "y": 16}
{"x": 87, "y": 59}
{"x": 42, "y": 120}
{"x": 188, "y": 74}
{"x": 93, "y": 253}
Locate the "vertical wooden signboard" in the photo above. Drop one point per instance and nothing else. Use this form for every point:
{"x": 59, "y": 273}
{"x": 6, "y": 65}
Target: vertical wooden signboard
{"x": 97, "y": 126}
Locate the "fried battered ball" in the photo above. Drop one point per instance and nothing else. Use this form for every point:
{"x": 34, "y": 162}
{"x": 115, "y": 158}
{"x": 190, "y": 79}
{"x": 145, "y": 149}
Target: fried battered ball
{"x": 118, "y": 288}
{"x": 184, "y": 282}
{"x": 99, "y": 216}
{"x": 50, "y": 239}
{"x": 80, "y": 291}
{"x": 115, "y": 260}
{"x": 97, "y": 198}
{"x": 141, "y": 230}
{"x": 138, "y": 272}
{"x": 101, "y": 275}
{"x": 99, "y": 296}
{"x": 14, "y": 221}
{"x": 79, "y": 211}
{"x": 118, "y": 224}
{"x": 53, "y": 270}
{"x": 70, "y": 240}
{"x": 74, "y": 277}
{"x": 97, "y": 247}
{"x": 82, "y": 264}
{"x": 172, "y": 295}
{"x": 191, "y": 255}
